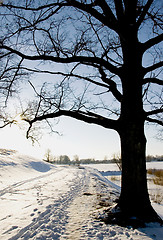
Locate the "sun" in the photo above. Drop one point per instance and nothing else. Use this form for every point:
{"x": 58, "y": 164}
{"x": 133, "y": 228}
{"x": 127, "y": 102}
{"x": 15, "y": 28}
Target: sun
{"x": 18, "y": 119}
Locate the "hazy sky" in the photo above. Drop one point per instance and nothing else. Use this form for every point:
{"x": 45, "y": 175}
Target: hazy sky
{"x": 87, "y": 141}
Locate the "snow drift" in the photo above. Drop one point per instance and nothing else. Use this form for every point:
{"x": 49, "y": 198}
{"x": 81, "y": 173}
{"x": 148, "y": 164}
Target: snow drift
{"x": 43, "y": 201}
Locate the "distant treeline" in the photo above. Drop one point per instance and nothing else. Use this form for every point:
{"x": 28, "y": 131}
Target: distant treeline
{"x": 151, "y": 158}
{"x": 64, "y": 159}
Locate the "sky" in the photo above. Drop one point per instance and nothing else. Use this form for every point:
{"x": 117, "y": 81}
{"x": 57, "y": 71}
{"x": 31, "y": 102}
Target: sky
{"x": 76, "y": 138}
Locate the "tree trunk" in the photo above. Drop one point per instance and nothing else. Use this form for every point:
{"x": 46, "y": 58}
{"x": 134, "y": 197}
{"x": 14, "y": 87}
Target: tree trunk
{"x": 134, "y": 198}
{"x": 134, "y": 206}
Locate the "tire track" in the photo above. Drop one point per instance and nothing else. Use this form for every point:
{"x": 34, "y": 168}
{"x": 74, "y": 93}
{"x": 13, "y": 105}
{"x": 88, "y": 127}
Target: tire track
{"x": 11, "y": 188}
{"x": 52, "y": 222}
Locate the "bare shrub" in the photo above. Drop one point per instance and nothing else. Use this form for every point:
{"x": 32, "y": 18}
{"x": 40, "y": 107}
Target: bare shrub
{"x": 158, "y": 181}
{"x": 150, "y": 171}
{"x": 117, "y": 159}
{"x": 158, "y": 173}
{"x": 157, "y": 197}
{"x": 114, "y": 178}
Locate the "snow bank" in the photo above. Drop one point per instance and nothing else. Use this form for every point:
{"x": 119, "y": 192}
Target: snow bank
{"x": 16, "y": 167}
{"x": 41, "y": 201}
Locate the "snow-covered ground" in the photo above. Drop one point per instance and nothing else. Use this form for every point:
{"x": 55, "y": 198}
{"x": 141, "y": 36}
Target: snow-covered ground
{"x": 44, "y": 202}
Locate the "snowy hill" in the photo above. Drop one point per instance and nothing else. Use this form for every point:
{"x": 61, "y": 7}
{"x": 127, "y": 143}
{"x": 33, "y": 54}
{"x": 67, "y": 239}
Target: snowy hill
{"x": 43, "y": 201}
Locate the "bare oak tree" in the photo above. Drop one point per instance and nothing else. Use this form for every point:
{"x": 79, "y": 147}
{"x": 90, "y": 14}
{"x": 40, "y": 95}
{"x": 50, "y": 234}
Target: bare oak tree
{"x": 101, "y": 61}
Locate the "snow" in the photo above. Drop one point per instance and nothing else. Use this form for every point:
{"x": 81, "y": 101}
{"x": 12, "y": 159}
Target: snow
{"x": 42, "y": 201}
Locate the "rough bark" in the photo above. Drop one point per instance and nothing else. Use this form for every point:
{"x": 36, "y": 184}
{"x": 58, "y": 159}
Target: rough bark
{"x": 134, "y": 199}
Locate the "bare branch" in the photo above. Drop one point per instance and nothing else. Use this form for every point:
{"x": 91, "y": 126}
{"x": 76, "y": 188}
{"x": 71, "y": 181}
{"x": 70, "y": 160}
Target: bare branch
{"x": 153, "y": 80}
{"x": 6, "y": 123}
{"x": 153, "y": 67}
{"x": 152, "y": 120}
{"x": 112, "y": 85}
{"x": 81, "y": 59}
{"x": 14, "y": 77}
{"x": 153, "y": 112}
{"x": 79, "y": 115}
{"x": 107, "y": 18}
{"x": 144, "y": 12}
{"x": 29, "y": 8}
{"x": 71, "y": 74}
{"x": 151, "y": 42}
{"x": 119, "y": 9}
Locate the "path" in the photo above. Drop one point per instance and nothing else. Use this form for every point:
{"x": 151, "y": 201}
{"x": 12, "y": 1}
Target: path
{"x": 62, "y": 204}
{"x": 47, "y": 198}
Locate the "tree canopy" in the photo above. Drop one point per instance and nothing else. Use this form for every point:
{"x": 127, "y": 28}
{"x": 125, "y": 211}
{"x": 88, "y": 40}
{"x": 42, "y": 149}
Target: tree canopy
{"x": 87, "y": 37}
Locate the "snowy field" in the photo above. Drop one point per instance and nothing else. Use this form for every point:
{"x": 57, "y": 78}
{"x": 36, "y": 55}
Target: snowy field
{"x": 41, "y": 201}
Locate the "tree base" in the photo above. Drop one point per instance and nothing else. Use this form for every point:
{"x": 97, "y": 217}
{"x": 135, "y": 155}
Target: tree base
{"x": 121, "y": 218}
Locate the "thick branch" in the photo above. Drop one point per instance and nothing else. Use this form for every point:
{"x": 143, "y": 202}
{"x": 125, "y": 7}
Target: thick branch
{"x": 81, "y": 59}
{"x": 153, "y": 67}
{"x": 144, "y": 12}
{"x": 153, "y": 80}
{"x": 151, "y": 42}
{"x": 152, "y": 120}
{"x": 107, "y": 18}
{"x": 119, "y": 9}
{"x": 87, "y": 117}
{"x": 112, "y": 85}
{"x": 153, "y": 112}
{"x": 130, "y": 10}
{"x": 108, "y": 13}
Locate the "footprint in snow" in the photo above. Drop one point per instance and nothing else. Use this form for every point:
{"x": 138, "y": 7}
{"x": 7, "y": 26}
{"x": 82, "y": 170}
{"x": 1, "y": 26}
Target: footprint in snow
{"x": 34, "y": 210}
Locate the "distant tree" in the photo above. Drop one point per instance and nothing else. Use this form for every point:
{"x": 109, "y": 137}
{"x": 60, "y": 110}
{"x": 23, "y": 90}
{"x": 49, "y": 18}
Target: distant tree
{"x": 88, "y": 161}
{"x": 76, "y": 159}
{"x": 48, "y": 156}
{"x": 118, "y": 160}
{"x": 64, "y": 159}
{"x": 105, "y": 158}
{"x": 150, "y": 158}
{"x": 105, "y": 64}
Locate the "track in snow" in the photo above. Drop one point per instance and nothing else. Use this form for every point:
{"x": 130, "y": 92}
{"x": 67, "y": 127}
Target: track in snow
{"x": 53, "y": 218}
